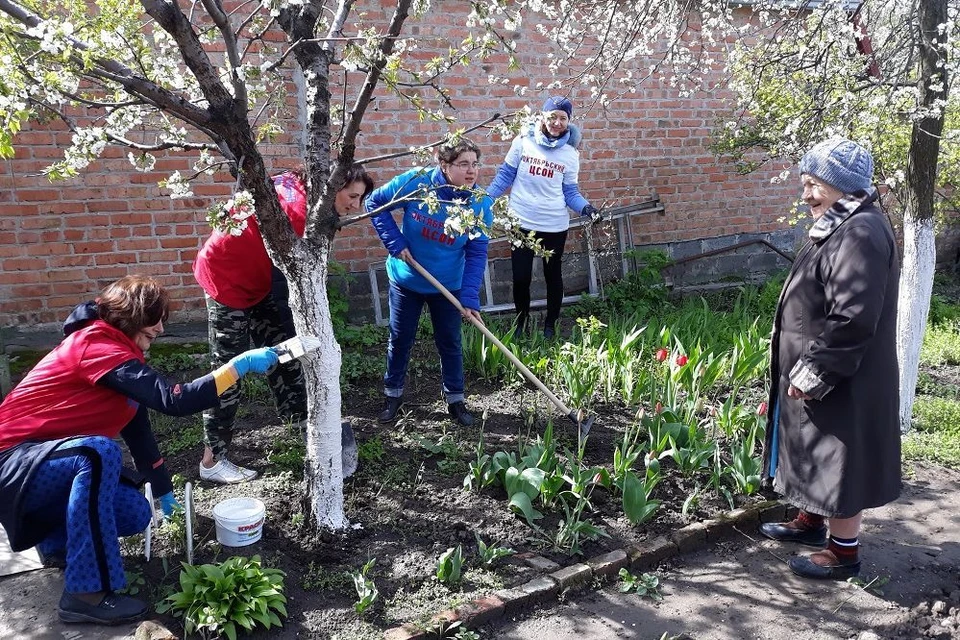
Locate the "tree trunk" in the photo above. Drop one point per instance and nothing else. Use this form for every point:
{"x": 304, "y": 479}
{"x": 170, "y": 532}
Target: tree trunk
{"x": 916, "y": 285}
{"x": 323, "y": 473}
{"x": 919, "y": 250}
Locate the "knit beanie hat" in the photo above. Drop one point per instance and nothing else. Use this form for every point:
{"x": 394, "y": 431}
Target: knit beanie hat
{"x": 558, "y": 103}
{"x": 841, "y": 163}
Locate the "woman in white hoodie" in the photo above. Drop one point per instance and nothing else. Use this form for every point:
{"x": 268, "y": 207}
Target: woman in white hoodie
{"x": 541, "y": 170}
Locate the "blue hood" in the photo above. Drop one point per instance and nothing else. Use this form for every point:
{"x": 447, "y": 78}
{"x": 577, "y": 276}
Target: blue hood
{"x": 535, "y": 131}
{"x": 81, "y": 316}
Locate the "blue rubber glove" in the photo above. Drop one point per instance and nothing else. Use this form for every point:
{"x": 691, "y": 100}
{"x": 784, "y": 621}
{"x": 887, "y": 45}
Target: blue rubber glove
{"x": 596, "y": 215}
{"x": 168, "y": 503}
{"x": 255, "y": 361}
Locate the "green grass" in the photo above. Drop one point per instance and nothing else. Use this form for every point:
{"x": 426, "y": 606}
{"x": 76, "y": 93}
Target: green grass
{"x": 936, "y": 438}
{"x": 937, "y": 415}
{"x": 941, "y": 344}
{"x": 177, "y": 434}
{"x": 287, "y": 452}
{"x": 928, "y": 385}
{"x": 937, "y": 447}
{"x": 21, "y": 361}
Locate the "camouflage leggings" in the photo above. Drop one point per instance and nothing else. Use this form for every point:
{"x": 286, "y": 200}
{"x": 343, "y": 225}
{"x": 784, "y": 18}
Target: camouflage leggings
{"x": 230, "y": 333}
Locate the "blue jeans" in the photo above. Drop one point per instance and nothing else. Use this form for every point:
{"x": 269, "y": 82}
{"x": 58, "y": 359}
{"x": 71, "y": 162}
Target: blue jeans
{"x": 405, "y": 309}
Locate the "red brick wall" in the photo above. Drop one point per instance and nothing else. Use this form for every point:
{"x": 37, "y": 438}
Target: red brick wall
{"x": 60, "y": 243}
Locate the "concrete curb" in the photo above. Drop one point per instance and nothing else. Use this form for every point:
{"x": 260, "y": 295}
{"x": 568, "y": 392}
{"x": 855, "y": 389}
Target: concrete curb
{"x": 603, "y": 568}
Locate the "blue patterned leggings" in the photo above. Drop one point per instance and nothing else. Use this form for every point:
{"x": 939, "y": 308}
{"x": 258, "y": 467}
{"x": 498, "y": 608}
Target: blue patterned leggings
{"x": 81, "y": 482}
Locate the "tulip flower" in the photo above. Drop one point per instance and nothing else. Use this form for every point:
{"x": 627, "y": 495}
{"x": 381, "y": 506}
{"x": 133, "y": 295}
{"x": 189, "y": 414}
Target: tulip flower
{"x": 681, "y": 360}
{"x": 762, "y": 409}
{"x": 662, "y": 355}
{"x": 658, "y": 408}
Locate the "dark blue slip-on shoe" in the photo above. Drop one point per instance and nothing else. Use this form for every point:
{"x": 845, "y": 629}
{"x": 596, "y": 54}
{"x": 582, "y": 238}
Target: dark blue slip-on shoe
{"x": 113, "y": 609}
{"x": 823, "y": 565}
{"x": 789, "y": 532}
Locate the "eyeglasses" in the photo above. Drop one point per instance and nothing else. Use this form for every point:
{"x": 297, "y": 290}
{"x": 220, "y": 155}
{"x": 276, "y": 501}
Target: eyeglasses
{"x": 463, "y": 166}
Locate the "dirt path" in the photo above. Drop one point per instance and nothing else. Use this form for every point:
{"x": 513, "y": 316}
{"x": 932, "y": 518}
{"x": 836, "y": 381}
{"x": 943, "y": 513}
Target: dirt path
{"x": 734, "y": 590}
{"x": 738, "y": 589}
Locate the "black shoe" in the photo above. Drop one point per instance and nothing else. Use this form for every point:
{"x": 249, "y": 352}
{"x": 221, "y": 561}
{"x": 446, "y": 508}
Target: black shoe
{"x": 823, "y": 565}
{"x": 53, "y": 560}
{"x": 458, "y": 411}
{"x": 113, "y": 609}
{"x": 789, "y": 532}
{"x": 391, "y": 407}
{"x": 549, "y": 333}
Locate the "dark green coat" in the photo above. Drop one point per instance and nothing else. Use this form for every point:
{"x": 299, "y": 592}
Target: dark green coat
{"x": 839, "y": 454}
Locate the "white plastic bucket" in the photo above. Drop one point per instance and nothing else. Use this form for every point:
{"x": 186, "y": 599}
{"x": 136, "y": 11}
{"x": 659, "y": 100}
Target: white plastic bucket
{"x": 239, "y": 521}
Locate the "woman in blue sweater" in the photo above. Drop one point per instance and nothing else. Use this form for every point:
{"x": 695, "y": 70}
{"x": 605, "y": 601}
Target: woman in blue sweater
{"x": 457, "y": 260}
{"x": 542, "y": 170}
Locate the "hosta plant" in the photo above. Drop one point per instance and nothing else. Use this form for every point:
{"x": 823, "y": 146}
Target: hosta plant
{"x": 214, "y": 600}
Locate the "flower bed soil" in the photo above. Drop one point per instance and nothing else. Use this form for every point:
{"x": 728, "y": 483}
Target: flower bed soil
{"x": 407, "y": 505}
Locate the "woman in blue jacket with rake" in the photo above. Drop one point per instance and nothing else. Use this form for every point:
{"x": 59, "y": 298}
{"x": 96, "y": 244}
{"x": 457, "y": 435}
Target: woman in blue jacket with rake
{"x": 456, "y": 257}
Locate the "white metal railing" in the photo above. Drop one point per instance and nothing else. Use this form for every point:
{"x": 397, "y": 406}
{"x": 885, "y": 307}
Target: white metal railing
{"x": 621, "y": 216}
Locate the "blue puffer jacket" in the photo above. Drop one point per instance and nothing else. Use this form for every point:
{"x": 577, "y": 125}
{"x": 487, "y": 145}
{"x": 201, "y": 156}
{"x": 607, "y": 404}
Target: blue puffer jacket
{"x": 458, "y": 262}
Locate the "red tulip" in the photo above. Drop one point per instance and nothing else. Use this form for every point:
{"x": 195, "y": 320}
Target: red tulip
{"x": 681, "y": 360}
{"x": 659, "y": 408}
{"x": 762, "y": 409}
{"x": 662, "y": 355}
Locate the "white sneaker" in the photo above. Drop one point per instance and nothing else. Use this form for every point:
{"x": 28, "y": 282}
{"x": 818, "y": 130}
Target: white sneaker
{"x": 225, "y": 472}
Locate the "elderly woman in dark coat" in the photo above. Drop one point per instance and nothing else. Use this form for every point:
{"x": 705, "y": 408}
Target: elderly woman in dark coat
{"x": 833, "y": 436}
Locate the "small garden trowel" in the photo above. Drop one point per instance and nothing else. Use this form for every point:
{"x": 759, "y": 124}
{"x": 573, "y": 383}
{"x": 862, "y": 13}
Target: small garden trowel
{"x": 296, "y": 347}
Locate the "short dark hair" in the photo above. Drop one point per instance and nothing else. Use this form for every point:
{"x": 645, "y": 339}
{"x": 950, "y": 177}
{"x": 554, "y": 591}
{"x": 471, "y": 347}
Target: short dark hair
{"x": 132, "y": 303}
{"x": 356, "y": 173}
{"x": 452, "y": 148}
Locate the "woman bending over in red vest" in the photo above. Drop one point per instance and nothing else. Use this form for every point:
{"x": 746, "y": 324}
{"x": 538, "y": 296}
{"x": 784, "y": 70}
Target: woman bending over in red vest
{"x": 62, "y": 485}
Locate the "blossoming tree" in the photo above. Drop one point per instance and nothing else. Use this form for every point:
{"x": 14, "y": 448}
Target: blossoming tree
{"x": 209, "y": 78}
{"x": 882, "y": 75}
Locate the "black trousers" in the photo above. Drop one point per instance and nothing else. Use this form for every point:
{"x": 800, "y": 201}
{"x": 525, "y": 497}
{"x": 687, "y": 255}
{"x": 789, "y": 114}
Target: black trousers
{"x": 522, "y": 261}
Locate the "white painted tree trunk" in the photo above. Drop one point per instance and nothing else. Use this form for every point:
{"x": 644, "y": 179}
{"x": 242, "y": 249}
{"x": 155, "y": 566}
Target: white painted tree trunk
{"x": 323, "y": 472}
{"x": 916, "y": 286}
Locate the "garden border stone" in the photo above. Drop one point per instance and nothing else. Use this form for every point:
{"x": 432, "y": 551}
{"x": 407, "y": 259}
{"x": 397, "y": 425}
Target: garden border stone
{"x": 601, "y": 568}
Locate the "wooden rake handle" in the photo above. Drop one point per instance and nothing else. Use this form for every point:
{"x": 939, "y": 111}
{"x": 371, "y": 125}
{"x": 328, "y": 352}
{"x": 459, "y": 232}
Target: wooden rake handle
{"x": 494, "y": 339}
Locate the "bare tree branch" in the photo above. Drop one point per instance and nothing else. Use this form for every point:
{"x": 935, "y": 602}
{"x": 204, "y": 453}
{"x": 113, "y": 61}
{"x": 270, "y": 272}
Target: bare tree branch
{"x": 401, "y": 154}
{"x": 230, "y": 44}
